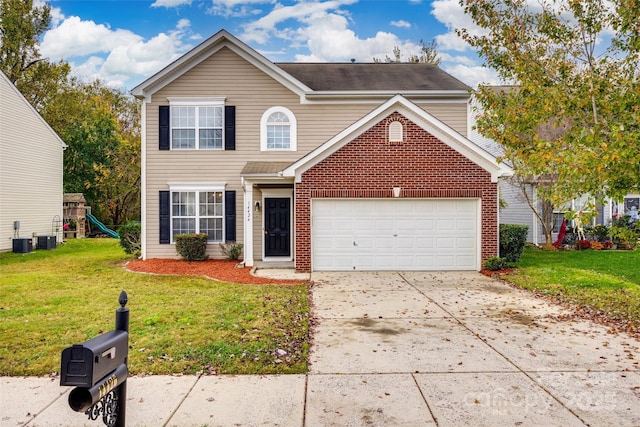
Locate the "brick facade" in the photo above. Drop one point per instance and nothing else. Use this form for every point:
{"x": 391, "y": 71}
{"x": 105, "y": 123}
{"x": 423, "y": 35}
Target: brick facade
{"x": 370, "y": 166}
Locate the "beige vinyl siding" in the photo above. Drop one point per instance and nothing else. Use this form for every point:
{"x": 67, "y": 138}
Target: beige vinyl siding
{"x": 30, "y": 169}
{"x": 227, "y": 75}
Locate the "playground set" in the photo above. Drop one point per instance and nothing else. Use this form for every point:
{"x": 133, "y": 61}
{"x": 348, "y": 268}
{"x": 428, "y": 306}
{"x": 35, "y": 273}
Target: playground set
{"x": 78, "y": 222}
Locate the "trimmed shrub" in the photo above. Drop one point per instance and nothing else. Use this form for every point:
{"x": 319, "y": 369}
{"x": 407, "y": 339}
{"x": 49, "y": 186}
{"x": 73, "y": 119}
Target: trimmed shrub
{"x": 495, "y": 263}
{"x": 512, "y": 240}
{"x": 130, "y": 238}
{"x": 231, "y": 250}
{"x": 192, "y": 247}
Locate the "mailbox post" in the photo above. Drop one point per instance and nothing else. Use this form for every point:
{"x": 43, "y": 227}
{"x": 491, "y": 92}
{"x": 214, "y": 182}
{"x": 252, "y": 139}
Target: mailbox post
{"x": 98, "y": 369}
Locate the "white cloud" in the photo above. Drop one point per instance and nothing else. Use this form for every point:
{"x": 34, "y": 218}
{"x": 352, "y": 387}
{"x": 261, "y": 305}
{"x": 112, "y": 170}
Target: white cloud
{"x": 473, "y": 75}
{"x": 322, "y": 28}
{"x": 451, "y": 14}
{"x": 305, "y": 12}
{"x": 117, "y": 57}
{"x": 170, "y": 3}
{"x": 63, "y": 42}
{"x": 237, "y": 8}
{"x": 400, "y": 24}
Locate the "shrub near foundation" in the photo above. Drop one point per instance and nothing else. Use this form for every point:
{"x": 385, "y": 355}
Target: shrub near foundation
{"x": 192, "y": 247}
{"x": 512, "y": 240}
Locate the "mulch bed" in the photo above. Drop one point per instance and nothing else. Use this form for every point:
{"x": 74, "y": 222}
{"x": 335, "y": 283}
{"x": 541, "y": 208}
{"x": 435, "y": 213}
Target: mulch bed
{"x": 216, "y": 269}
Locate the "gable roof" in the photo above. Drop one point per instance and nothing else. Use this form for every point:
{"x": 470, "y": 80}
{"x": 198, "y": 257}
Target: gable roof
{"x": 206, "y": 49}
{"x": 4, "y": 81}
{"x": 320, "y": 80}
{"x": 373, "y": 76}
{"x": 417, "y": 115}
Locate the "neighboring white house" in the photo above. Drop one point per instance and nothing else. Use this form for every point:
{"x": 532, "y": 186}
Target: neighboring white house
{"x": 31, "y": 170}
{"x": 517, "y": 210}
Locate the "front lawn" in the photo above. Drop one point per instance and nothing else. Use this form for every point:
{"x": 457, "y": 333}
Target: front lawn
{"x": 606, "y": 282}
{"x": 50, "y": 300}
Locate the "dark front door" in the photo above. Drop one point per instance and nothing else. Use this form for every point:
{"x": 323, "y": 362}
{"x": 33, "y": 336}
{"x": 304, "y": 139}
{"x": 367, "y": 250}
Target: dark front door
{"x": 277, "y": 224}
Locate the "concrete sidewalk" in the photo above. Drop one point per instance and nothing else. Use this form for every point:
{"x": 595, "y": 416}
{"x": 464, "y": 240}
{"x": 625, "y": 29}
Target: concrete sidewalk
{"x": 396, "y": 349}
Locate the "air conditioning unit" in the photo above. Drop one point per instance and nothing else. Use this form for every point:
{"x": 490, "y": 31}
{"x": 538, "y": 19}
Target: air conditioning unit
{"x": 22, "y": 246}
{"x": 46, "y": 242}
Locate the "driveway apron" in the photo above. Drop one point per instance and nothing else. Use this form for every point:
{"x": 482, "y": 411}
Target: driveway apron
{"x": 459, "y": 348}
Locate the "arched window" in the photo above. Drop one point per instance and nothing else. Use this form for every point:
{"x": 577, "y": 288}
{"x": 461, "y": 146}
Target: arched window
{"x": 278, "y": 130}
{"x": 396, "y": 132}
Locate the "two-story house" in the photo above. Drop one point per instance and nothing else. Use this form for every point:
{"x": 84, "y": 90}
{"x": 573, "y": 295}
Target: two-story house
{"x": 336, "y": 166}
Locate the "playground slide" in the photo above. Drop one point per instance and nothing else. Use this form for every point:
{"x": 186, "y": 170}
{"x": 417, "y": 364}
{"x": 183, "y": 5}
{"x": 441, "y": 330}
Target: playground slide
{"x": 100, "y": 226}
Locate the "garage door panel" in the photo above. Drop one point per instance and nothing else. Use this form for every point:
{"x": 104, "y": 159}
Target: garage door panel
{"x": 364, "y": 224}
{"x": 394, "y": 234}
{"x": 405, "y": 242}
{"x": 465, "y": 225}
{"x": 364, "y": 243}
{"x": 425, "y": 243}
{"x": 465, "y": 243}
{"x": 384, "y": 243}
{"x": 444, "y": 243}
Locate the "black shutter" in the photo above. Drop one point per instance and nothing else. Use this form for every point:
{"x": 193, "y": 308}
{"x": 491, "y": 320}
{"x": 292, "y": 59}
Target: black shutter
{"x": 163, "y": 127}
{"x": 165, "y": 217}
{"x": 230, "y": 216}
{"x": 229, "y": 127}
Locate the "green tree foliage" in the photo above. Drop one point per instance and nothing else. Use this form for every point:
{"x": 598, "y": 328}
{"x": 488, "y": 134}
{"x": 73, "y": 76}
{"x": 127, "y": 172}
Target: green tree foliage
{"x": 570, "y": 122}
{"x": 99, "y": 124}
{"x": 20, "y": 26}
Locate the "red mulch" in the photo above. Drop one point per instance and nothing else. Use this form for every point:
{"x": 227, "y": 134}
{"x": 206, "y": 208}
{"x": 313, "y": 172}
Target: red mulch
{"x": 217, "y": 269}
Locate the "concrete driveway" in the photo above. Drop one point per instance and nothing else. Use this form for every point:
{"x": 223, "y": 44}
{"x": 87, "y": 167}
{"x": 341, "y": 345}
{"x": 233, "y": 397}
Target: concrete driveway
{"x": 395, "y": 349}
{"x": 457, "y": 349}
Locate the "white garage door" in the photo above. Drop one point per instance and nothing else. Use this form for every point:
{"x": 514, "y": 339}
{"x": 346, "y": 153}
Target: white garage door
{"x": 394, "y": 234}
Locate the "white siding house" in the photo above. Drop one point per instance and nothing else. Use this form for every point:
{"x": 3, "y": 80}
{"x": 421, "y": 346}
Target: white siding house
{"x": 31, "y": 170}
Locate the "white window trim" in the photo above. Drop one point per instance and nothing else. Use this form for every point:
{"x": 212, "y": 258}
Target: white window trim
{"x": 197, "y": 188}
{"x": 396, "y": 131}
{"x": 196, "y": 102}
{"x": 293, "y": 129}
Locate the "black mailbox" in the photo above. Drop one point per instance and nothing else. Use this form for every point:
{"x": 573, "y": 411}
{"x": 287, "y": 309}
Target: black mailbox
{"x": 85, "y": 364}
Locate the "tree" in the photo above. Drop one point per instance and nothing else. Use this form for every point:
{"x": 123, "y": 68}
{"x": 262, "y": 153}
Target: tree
{"x": 100, "y": 125}
{"x": 570, "y": 124}
{"x": 428, "y": 55}
{"x": 20, "y": 26}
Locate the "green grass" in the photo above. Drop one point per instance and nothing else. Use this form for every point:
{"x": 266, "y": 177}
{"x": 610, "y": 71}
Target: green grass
{"x": 607, "y": 281}
{"x": 50, "y": 300}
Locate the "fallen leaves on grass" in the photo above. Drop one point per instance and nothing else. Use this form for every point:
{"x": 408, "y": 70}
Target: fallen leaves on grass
{"x": 217, "y": 269}
{"x": 578, "y": 311}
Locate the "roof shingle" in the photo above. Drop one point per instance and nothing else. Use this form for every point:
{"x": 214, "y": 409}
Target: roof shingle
{"x": 404, "y": 76}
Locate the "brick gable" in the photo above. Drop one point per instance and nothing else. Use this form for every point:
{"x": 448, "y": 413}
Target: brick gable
{"x": 370, "y": 166}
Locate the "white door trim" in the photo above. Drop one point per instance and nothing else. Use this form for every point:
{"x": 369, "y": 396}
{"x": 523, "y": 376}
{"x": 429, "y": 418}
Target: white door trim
{"x": 284, "y": 193}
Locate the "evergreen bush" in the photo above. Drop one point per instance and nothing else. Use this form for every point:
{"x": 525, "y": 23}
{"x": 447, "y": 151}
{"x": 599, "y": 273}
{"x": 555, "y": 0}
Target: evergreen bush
{"x": 231, "y": 250}
{"x": 192, "y": 247}
{"x": 130, "y": 238}
{"x": 512, "y": 240}
{"x": 495, "y": 263}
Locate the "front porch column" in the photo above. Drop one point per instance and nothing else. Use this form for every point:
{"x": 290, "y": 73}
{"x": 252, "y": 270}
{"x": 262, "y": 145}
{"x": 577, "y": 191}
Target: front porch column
{"x": 247, "y": 217}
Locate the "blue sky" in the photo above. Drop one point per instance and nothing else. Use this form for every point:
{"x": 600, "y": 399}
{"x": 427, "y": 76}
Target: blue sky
{"x": 125, "y": 41}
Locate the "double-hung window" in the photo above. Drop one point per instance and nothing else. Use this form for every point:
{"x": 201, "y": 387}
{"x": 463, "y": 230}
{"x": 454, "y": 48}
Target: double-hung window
{"x": 200, "y": 211}
{"x": 278, "y": 130}
{"x": 197, "y": 126}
